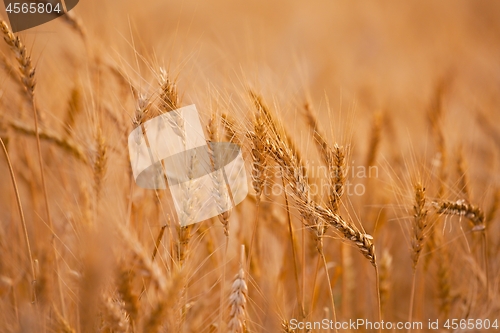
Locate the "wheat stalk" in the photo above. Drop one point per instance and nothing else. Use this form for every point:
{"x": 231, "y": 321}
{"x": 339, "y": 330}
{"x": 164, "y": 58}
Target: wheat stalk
{"x": 27, "y": 74}
{"x": 259, "y": 165}
{"x": 62, "y": 324}
{"x": 130, "y": 299}
{"x": 443, "y": 278}
{"x": 375, "y": 138}
{"x": 221, "y": 191}
{"x": 222, "y": 196}
{"x": 21, "y": 215}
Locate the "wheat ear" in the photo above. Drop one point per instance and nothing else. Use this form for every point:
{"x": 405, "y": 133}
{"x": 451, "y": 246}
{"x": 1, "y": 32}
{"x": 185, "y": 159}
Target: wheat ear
{"x": 462, "y": 208}
{"x": 419, "y": 229}
{"x": 73, "y": 109}
{"x": 114, "y": 317}
{"x": 238, "y": 300}
{"x": 285, "y": 327}
{"x": 221, "y": 191}
{"x": 375, "y": 138}
{"x": 27, "y": 71}
{"x": 316, "y": 218}
{"x": 435, "y": 119}
{"x": 75, "y": 23}
{"x": 230, "y": 129}
{"x": 259, "y": 164}
{"x": 476, "y": 216}
{"x": 100, "y": 162}
{"x": 420, "y": 223}
{"x": 315, "y": 215}
{"x": 222, "y": 195}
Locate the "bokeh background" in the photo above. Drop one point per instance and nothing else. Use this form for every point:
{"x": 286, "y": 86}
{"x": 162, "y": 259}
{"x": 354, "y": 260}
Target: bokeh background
{"x": 387, "y": 78}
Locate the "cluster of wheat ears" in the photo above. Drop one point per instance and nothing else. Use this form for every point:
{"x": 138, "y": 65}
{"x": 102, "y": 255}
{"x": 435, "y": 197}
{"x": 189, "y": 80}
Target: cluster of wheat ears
{"x": 84, "y": 249}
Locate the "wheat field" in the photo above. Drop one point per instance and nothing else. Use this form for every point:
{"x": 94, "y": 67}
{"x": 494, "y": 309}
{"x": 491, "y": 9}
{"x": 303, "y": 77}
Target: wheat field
{"x": 371, "y": 139}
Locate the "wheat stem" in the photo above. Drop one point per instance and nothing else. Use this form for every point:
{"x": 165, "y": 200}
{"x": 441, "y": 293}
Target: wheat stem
{"x": 294, "y": 255}
{"x": 412, "y": 298}
{"x": 23, "y": 221}
{"x": 329, "y": 288}
{"x": 314, "y": 279}
{"x": 27, "y": 72}
{"x": 379, "y": 300}
{"x": 254, "y": 233}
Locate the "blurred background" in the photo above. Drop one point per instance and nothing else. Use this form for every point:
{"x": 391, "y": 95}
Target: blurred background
{"x": 392, "y": 79}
